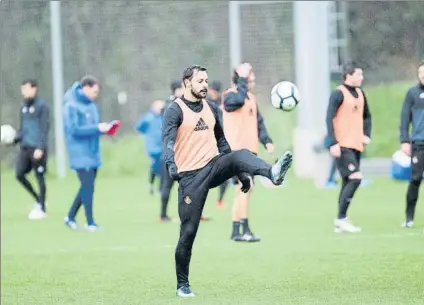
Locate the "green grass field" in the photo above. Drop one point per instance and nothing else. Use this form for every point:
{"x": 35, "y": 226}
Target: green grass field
{"x": 299, "y": 261}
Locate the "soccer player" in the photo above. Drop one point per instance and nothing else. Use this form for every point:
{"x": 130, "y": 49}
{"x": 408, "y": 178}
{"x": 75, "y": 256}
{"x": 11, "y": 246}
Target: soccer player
{"x": 166, "y": 183}
{"x": 243, "y": 127}
{"x": 413, "y": 145}
{"x": 214, "y": 96}
{"x": 198, "y": 156}
{"x": 150, "y": 126}
{"x": 33, "y": 136}
{"x": 349, "y": 128}
{"x": 214, "y": 92}
{"x": 82, "y": 128}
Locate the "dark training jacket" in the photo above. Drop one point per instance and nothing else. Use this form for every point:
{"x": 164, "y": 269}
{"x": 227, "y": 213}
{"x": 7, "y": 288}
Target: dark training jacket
{"x": 413, "y": 113}
{"x": 35, "y": 124}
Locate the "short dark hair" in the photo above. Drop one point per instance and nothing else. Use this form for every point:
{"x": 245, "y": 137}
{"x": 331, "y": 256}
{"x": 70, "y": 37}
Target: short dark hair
{"x": 175, "y": 85}
{"x": 31, "y": 81}
{"x": 421, "y": 64}
{"x": 89, "y": 80}
{"x": 216, "y": 85}
{"x": 189, "y": 72}
{"x": 349, "y": 68}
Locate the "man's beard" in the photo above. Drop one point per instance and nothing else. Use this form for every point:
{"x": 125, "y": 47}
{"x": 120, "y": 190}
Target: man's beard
{"x": 198, "y": 95}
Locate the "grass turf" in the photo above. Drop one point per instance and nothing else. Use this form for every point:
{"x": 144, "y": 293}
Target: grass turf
{"x": 299, "y": 261}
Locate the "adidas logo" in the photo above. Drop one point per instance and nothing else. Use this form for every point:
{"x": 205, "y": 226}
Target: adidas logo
{"x": 201, "y": 125}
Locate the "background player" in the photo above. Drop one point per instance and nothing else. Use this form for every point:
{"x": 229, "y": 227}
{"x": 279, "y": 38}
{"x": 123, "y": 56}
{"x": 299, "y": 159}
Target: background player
{"x": 349, "y": 128}
{"x": 413, "y": 113}
{"x": 166, "y": 183}
{"x": 244, "y": 127}
{"x": 33, "y": 136}
{"x": 214, "y": 96}
{"x": 197, "y": 154}
{"x": 82, "y": 128}
{"x": 214, "y": 92}
{"x": 150, "y": 126}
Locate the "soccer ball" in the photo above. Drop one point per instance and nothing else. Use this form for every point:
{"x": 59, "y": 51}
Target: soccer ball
{"x": 285, "y": 96}
{"x": 8, "y": 134}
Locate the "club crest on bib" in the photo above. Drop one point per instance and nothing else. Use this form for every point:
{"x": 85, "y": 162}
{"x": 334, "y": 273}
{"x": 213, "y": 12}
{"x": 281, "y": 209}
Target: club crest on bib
{"x": 351, "y": 167}
{"x": 415, "y": 159}
{"x": 187, "y": 199}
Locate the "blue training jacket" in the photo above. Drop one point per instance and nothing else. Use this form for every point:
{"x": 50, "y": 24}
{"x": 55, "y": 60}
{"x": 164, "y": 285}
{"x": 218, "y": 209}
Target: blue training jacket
{"x": 82, "y": 136}
{"x": 150, "y": 126}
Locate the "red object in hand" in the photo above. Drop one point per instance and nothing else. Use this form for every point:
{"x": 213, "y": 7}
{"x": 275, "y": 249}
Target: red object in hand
{"x": 114, "y": 127}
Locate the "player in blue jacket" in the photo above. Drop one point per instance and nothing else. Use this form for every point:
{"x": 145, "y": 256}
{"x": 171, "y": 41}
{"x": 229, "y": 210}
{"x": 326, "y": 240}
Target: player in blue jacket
{"x": 82, "y": 128}
{"x": 150, "y": 126}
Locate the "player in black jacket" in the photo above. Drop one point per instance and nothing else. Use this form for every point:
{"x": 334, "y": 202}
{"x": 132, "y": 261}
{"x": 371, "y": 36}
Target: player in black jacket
{"x": 413, "y": 144}
{"x": 33, "y": 138}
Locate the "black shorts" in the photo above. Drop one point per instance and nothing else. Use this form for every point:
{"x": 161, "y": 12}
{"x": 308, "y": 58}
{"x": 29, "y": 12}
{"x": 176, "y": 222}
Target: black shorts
{"x": 417, "y": 162}
{"x": 25, "y": 162}
{"x": 348, "y": 162}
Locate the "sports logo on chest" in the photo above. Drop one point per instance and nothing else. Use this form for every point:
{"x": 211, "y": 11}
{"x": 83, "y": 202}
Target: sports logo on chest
{"x": 422, "y": 95}
{"x": 201, "y": 125}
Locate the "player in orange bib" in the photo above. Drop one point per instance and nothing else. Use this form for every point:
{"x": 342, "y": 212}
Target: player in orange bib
{"x": 198, "y": 156}
{"x": 244, "y": 128}
{"x": 349, "y": 129}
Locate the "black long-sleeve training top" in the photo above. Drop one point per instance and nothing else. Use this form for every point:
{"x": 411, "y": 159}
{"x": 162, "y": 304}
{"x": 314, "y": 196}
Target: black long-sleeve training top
{"x": 34, "y": 124}
{"x": 235, "y": 100}
{"x": 413, "y": 113}
{"x": 336, "y": 99}
{"x": 173, "y": 118}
